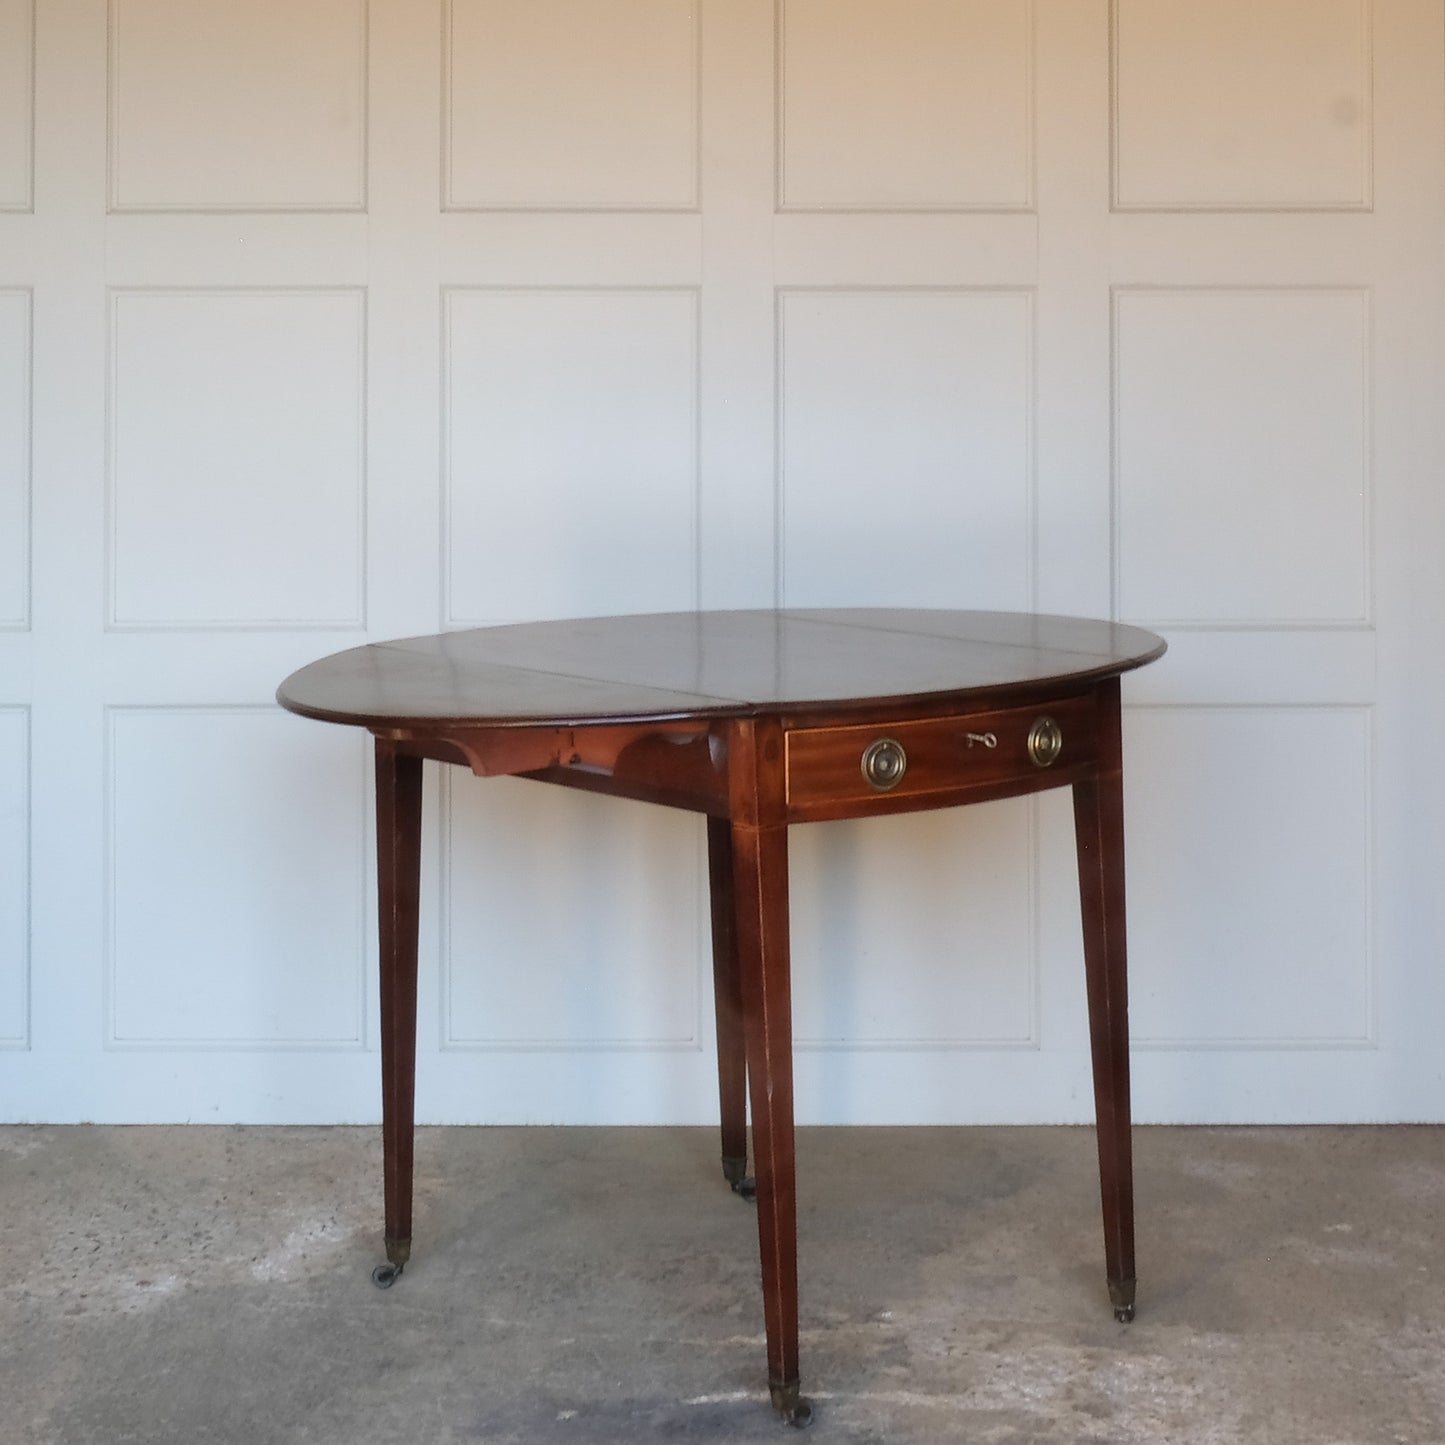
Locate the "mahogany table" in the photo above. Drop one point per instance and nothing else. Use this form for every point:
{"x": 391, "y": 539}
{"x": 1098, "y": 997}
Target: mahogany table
{"x": 758, "y": 720}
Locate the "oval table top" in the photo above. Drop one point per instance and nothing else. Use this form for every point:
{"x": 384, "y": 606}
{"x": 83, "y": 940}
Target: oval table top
{"x": 664, "y": 666}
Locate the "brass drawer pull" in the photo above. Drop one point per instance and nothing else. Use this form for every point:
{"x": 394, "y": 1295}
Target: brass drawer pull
{"x": 1046, "y": 742}
{"x": 884, "y": 763}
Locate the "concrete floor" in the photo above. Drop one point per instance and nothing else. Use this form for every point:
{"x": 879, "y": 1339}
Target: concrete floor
{"x": 212, "y": 1285}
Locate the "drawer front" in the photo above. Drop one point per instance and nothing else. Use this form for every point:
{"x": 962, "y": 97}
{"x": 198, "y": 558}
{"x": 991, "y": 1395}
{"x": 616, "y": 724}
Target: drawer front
{"x": 856, "y": 765}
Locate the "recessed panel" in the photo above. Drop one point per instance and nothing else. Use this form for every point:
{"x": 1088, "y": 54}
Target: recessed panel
{"x": 571, "y": 452}
{"x": 17, "y": 103}
{"x": 14, "y": 458}
{"x": 255, "y": 106}
{"x": 236, "y": 883}
{"x": 1242, "y": 456}
{"x": 568, "y": 104}
{"x": 1249, "y": 876}
{"x": 905, "y": 104}
{"x": 237, "y": 466}
{"x": 905, "y": 448}
{"x": 14, "y": 877}
{"x": 571, "y": 921}
{"x": 1241, "y": 104}
{"x": 914, "y": 932}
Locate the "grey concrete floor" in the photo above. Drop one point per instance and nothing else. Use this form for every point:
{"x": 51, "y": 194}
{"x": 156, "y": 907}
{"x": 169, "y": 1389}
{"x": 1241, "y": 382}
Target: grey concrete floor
{"x": 212, "y": 1285}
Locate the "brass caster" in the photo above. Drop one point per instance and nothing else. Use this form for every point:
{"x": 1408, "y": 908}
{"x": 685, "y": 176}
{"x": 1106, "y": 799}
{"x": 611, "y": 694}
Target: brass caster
{"x": 1121, "y": 1296}
{"x": 734, "y": 1167}
{"x": 398, "y": 1251}
{"x": 735, "y": 1171}
{"x": 1124, "y": 1314}
{"x": 794, "y": 1409}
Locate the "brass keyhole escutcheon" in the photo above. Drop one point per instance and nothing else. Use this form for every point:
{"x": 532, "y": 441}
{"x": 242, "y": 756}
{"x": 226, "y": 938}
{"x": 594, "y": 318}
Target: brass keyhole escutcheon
{"x": 884, "y": 763}
{"x": 1046, "y": 742}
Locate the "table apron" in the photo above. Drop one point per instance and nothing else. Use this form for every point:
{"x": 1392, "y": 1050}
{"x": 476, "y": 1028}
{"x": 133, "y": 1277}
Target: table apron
{"x": 675, "y": 765}
{"x": 861, "y": 769}
{"x": 943, "y": 761}
{"x": 826, "y": 810}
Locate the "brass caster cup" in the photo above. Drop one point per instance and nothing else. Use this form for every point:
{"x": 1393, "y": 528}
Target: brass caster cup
{"x": 398, "y": 1251}
{"x": 793, "y": 1408}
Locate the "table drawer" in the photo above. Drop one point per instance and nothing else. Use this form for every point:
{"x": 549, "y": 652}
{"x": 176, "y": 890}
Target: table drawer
{"x": 878, "y": 761}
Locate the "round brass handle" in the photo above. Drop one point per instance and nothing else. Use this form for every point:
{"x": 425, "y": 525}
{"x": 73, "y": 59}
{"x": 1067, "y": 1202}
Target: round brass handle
{"x": 1046, "y": 742}
{"x": 884, "y": 763}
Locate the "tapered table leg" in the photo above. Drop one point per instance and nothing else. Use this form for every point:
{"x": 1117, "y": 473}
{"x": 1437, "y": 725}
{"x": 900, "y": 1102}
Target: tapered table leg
{"x": 1099, "y": 834}
{"x": 757, "y": 804}
{"x": 398, "y": 870}
{"x": 760, "y": 857}
{"x": 732, "y": 1073}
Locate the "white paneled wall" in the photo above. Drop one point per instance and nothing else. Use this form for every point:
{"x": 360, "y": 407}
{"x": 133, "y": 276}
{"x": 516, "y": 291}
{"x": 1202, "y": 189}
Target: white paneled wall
{"x": 237, "y": 436}
{"x": 17, "y": 56}
{"x": 571, "y": 428}
{"x": 909, "y": 412}
{"x": 14, "y": 878}
{"x": 570, "y": 105}
{"x": 14, "y": 458}
{"x": 1228, "y": 926}
{"x": 874, "y": 911}
{"x": 255, "y": 107}
{"x": 333, "y": 320}
{"x": 924, "y": 106}
{"x": 261, "y": 948}
{"x": 1242, "y": 456}
{"x": 1236, "y": 105}
{"x": 630, "y": 979}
